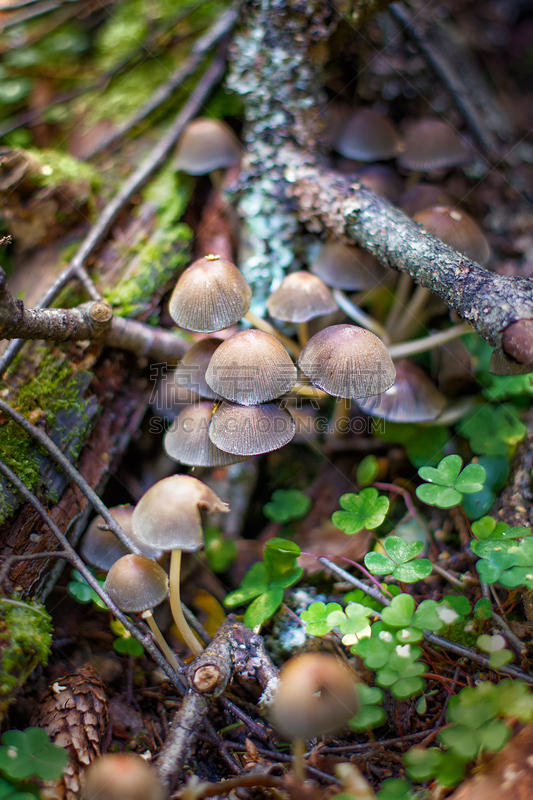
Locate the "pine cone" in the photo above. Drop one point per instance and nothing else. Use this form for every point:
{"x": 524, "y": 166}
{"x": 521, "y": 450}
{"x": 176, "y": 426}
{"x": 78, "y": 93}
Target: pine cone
{"x": 74, "y": 714}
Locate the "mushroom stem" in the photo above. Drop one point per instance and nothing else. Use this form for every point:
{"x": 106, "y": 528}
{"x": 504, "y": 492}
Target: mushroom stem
{"x": 309, "y": 391}
{"x": 429, "y": 342}
{"x": 303, "y": 333}
{"x": 263, "y": 325}
{"x": 403, "y": 290}
{"x": 409, "y": 321}
{"x": 160, "y": 639}
{"x": 341, "y": 417}
{"x": 362, "y": 319}
{"x": 175, "y": 604}
{"x": 298, "y": 764}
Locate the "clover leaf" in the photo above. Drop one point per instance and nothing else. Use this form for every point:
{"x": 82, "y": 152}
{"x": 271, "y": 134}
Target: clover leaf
{"x": 125, "y": 644}
{"x": 367, "y": 510}
{"x": 352, "y": 623}
{"x": 396, "y": 664}
{"x": 316, "y": 618}
{"x": 79, "y": 589}
{"x": 220, "y": 552}
{"x": 399, "y": 561}
{"x": 30, "y": 752}
{"x": 495, "y": 646}
{"x": 447, "y": 483}
{"x": 370, "y": 715}
{"x": 395, "y": 789}
{"x": 10, "y": 792}
{"x": 287, "y": 505}
{"x": 367, "y": 471}
{"x": 424, "y": 764}
{"x": 491, "y": 430}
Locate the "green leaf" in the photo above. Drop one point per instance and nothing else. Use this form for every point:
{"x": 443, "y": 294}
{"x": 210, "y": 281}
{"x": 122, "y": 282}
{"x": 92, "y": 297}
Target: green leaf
{"x": 30, "y": 752}
{"x": 10, "y": 792}
{"x": 492, "y": 429}
{"x": 461, "y": 740}
{"x": 264, "y": 607}
{"x": 220, "y": 552}
{"x": 316, "y": 617}
{"x": 400, "y": 612}
{"x": 12, "y": 90}
{"x": 252, "y": 585}
{"x": 447, "y": 483}
{"x": 487, "y": 571}
{"x": 414, "y": 571}
{"x": 401, "y": 551}
{"x": 280, "y": 559}
{"x": 367, "y": 718}
{"x": 367, "y": 471}
{"x": 440, "y": 496}
{"x": 471, "y": 479}
{"x": 494, "y": 735}
{"x": 483, "y": 609}
{"x": 127, "y": 645}
{"x": 500, "y": 658}
{"x": 407, "y": 687}
{"x": 79, "y": 591}
{"x": 422, "y": 764}
{"x": 287, "y": 505}
{"x": 445, "y": 474}
{"x": 426, "y": 617}
{"x": 475, "y": 505}
{"x": 369, "y": 695}
{"x": 379, "y": 564}
{"x": 395, "y": 789}
{"x": 367, "y": 510}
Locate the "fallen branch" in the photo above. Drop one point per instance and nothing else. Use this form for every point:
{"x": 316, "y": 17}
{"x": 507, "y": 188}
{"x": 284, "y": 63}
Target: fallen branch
{"x": 499, "y": 308}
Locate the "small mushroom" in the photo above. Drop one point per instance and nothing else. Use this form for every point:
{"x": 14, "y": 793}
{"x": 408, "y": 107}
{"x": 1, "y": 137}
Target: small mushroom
{"x": 137, "y": 583}
{"x": 412, "y": 398}
{"x": 251, "y": 430}
{"x": 206, "y": 145}
{"x": 210, "y": 295}
{"x": 424, "y": 195}
{"x": 382, "y": 180}
{"x": 348, "y": 267}
{"x": 368, "y": 136}
{"x": 102, "y": 549}
{"x": 251, "y": 367}
{"x": 300, "y": 297}
{"x": 431, "y": 144}
{"x": 187, "y": 440}
{"x": 168, "y": 516}
{"x": 121, "y": 776}
{"x": 190, "y": 372}
{"x": 347, "y": 361}
{"x": 316, "y": 696}
{"x": 456, "y": 229}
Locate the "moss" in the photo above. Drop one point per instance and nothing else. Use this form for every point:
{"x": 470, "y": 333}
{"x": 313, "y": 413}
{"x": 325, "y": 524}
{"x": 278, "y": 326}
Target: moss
{"x": 53, "y": 389}
{"x": 57, "y": 168}
{"x": 25, "y": 640}
{"x": 155, "y": 261}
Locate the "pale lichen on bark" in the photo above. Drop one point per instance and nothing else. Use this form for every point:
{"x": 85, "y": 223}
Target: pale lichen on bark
{"x": 276, "y": 75}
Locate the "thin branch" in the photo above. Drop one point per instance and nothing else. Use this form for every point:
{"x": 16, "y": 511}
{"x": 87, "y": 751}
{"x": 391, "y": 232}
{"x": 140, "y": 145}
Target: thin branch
{"x": 110, "y": 212}
{"x": 77, "y": 562}
{"x": 488, "y": 301}
{"x": 200, "y": 49}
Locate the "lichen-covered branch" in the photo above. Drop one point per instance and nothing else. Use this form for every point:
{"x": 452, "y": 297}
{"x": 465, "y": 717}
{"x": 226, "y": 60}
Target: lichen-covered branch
{"x": 276, "y": 74}
{"x": 491, "y": 303}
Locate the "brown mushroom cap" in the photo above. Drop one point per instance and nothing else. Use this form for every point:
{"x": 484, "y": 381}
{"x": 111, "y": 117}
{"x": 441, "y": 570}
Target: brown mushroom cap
{"x": 316, "y": 695}
{"x": 121, "y": 776}
{"x": 187, "y": 440}
{"x": 424, "y": 195}
{"x": 347, "y": 361}
{"x": 190, "y": 372}
{"x": 368, "y": 136}
{"x": 382, "y": 180}
{"x": 168, "y": 514}
{"x": 211, "y": 295}
{"x": 251, "y": 430}
{"x": 102, "y": 549}
{"x": 251, "y": 367}
{"x": 432, "y": 144}
{"x": 348, "y": 267}
{"x": 301, "y": 297}
{"x": 136, "y": 583}
{"x": 456, "y": 229}
{"x": 412, "y": 398}
{"x": 206, "y": 145}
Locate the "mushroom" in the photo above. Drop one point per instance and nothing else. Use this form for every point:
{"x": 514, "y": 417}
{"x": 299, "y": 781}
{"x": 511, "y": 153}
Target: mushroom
{"x": 368, "y": 136}
{"x": 458, "y": 230}
{"x": 412, "y": 398}
{"x": 316, "y": 695}
{"x": 348, "y": 267}
{"x": 187, "y": 440}
{"x": 347, "y": 361}
{"x": 121, "y": 776}
{"x": 206, "y": 145}
{"x": 102, "y": 549}
{"x": 168, "y": 516}
{"x": 423, "y": 195}
{"x": 431, "y": 144}
{"x": 137, "y": 583}
{"x": 210, "y": 295}
{"x": 251, "y": 367}
{"x": 190, "y": 372}
{"x": 300, "y": 297}
{"x": 251, "y": 430}
{"x": 382, "y": 180}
